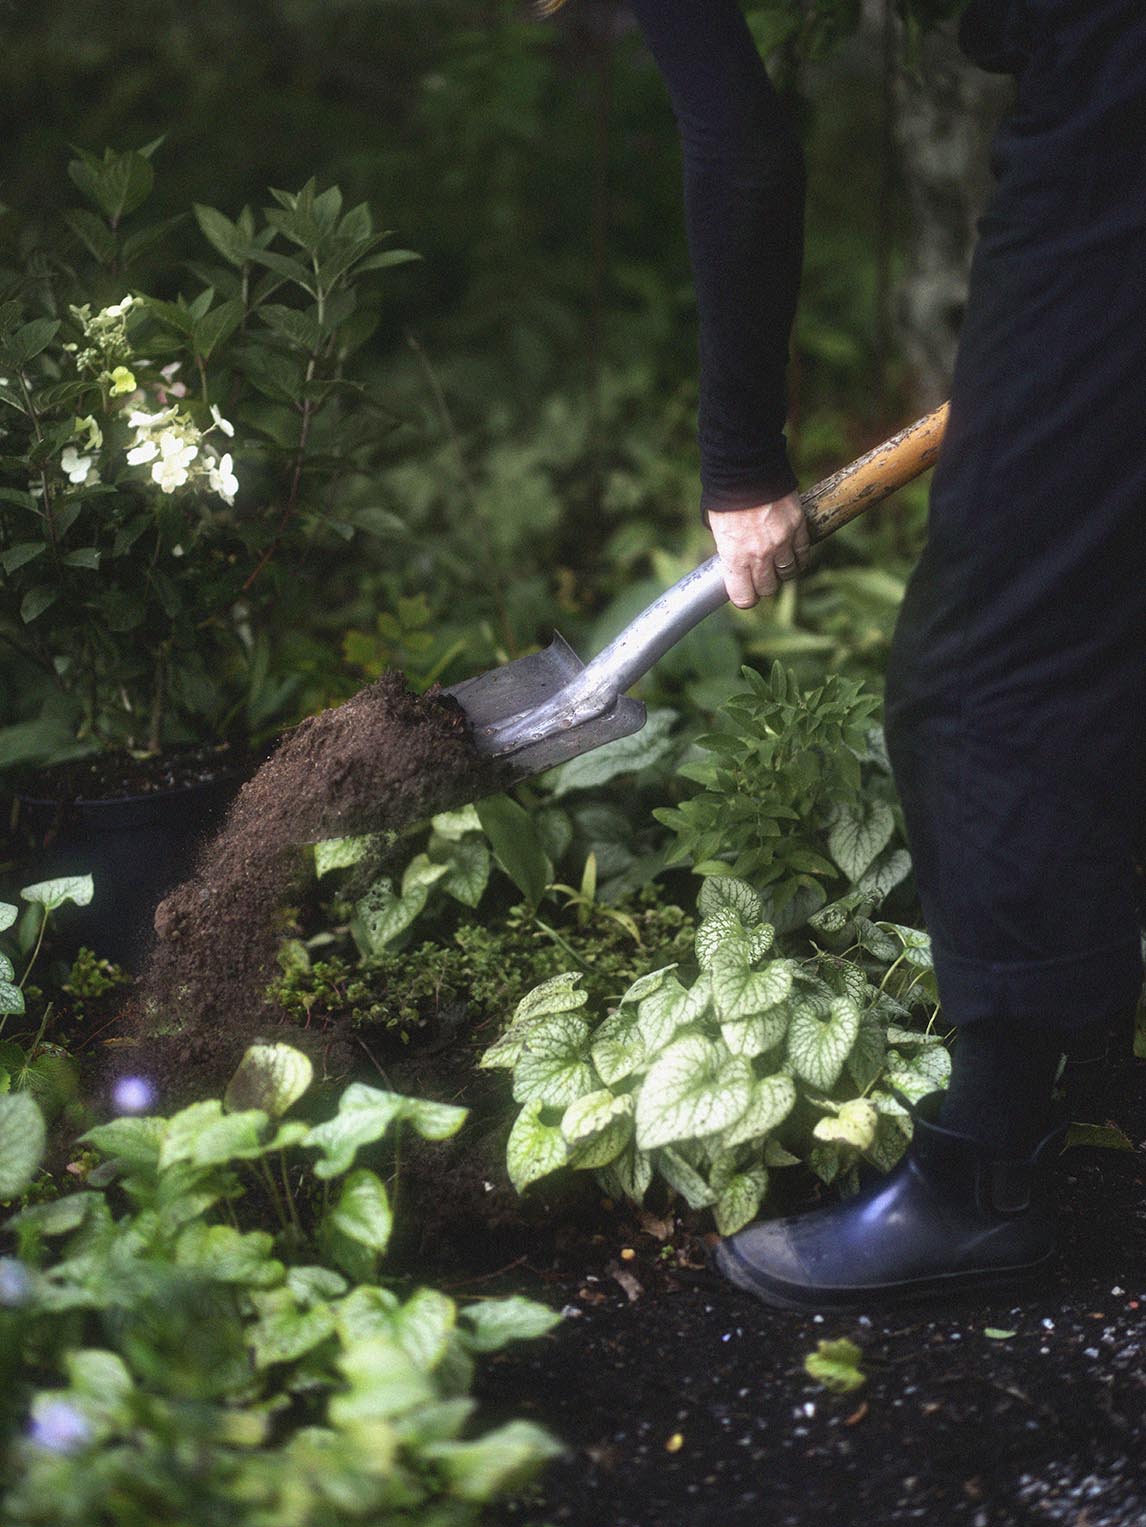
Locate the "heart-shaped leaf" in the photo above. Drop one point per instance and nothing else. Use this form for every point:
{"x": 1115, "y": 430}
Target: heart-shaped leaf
{"x": 695, "y": 1088}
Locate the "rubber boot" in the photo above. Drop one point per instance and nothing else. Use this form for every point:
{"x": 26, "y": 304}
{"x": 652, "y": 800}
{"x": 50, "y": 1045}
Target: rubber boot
{"x": 946, "y": 1218}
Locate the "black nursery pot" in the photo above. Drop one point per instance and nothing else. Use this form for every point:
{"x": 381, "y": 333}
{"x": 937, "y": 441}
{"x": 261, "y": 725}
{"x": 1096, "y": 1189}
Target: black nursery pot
{"x": 136, "y": 847}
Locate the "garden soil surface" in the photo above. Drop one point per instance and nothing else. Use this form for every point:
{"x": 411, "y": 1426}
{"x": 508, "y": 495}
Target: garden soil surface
{"x": 684, "y": 1403}
{"x": 381, "y": 760}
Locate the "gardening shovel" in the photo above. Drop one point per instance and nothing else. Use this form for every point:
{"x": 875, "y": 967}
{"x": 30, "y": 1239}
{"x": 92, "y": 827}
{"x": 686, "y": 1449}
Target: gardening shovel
{"x": 548, "y": 707}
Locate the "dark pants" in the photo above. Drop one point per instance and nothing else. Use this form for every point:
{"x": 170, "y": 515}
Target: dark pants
{"x": 1017, "y": 683}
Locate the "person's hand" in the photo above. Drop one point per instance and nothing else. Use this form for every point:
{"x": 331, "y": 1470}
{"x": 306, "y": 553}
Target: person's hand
{"x": 761, "y": 547}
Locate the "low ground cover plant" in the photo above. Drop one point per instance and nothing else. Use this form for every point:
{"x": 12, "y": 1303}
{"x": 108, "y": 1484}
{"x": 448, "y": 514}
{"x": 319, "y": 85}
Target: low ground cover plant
{"x": 165, "y": 1358}
{"x": 761, "y": 1060}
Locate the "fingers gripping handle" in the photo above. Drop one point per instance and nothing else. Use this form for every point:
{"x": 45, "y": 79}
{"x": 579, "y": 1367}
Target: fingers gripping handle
{"x": 827, "y": 506}
{"x": 830, "y": 504}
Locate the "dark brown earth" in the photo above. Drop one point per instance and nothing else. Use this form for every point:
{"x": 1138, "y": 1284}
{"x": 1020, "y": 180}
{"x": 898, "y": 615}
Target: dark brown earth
{"x": 684, "y": 1403}
{"x": 381, "y": 760}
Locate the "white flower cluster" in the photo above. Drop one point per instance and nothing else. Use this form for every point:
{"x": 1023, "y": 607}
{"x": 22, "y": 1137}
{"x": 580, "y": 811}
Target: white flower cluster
{"x": 108, "y": 348}
{"x": 168, "y": 442}
{"x": 173, "y": 446}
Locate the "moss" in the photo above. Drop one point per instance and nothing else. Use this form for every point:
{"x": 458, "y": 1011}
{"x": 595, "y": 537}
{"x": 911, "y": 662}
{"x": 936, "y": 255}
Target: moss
{"x": 484, "y": 971}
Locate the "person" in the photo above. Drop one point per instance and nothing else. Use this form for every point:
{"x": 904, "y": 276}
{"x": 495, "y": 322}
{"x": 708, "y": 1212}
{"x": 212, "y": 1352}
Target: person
{"x": 1016, "y": 684}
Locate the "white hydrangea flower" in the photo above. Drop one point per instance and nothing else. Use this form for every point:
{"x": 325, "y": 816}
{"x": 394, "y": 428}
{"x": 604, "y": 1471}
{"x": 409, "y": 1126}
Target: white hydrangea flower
{"x": 146, "y": 450}
{"x": 75, "y": 466}
{"x": 118, "y": 309}
{"x": 222, "y": 477}
{"x": 175, "y": 455}
{"x": 225, "y": 425}
{"x": 141, "y": 421}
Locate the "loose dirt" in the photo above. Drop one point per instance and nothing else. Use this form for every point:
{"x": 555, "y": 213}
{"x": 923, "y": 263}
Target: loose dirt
{"x": 685, "y": 1403}
{"x": 383, "y": 759}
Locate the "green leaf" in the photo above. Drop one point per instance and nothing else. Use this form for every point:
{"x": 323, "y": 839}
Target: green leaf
{"x": 28, "y": 341}
{"x": 454, "y": 825}
{"x": 283, "y": 1333}
{"x": 618, "y": 1046}
{"x": 854, "y": 1125}
{"x": 553, "y": 1067}
{"x": 835, "y": 1364}
{"x": 54, "y": 1081}
{"x": 216, "y": 327}
{"x": 388, "y": 259}
{"x": 590, "y": 1116}
{"x": 22, "y": 1141}
{"x": 725, "y": 891}
{"x": 8, "y": 915}
{"x": 136, "y": 1142}
{"x": 423, "y": 1326}
{"x": 364, "y": 1115}
{"x": 916, "y": 944}
{"x": 20, "y": 554}
{"x": 36, "y": 601}
{"x": 671, "y": 1008}
{"x": 603, "y": 1149}
{"x": 496, "y": 1464}
{"x": 11, "y": 999}
{"x": 772, "y": 1100}
{"x": 380, "y": 916}
{"x": 494, "y": 1323}
{"x": 270, "y": 1076}
{"x": 928, "y": 1070}
{"x": 92, "y": 232}
{"x": 683, "y": 1176}
{"x": 468, "y": 872}
{"x": 756, "y": 1035}
{"x": 695, "y": 1088}
{"x": 223, "y": 235}
{"x": 859, "y": 832}
{"x": 740, "y": 1200}
{"x": 363, "y": 1211}
{"x": 84, "y": 556}
{"x": 739, "y": 992}
{"x": 516, "y": 845}
{"x": 117, "y": 185}
{"x": 625, "y": 755}
{"x": 226, "y": 1255}
{"x": 819, "y": 1041}
{"x": 383, "y": 1380}
{"x": 534, "y": 1149}
{"x": 1107, "y": 1137}
{"x": 888, "y": 871}
{"x": 51, "y": 894}
{"x": 557, "y": 995}
{"x": 341, "y": 853}
{"x": 205, "y": 1136}
{"x": 994, "y": 1333}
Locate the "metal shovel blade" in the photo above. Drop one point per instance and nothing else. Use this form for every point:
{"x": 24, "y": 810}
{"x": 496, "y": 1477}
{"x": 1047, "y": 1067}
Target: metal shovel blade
{"x": 533, "y": 686}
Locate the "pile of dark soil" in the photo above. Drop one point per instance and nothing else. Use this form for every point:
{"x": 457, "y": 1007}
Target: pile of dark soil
{"x": 381, "y": 760}
{"x": 685, "y": 1403}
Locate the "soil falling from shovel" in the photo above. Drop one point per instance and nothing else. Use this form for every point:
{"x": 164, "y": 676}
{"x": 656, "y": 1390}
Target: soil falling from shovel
{"x": 376, "y": 763}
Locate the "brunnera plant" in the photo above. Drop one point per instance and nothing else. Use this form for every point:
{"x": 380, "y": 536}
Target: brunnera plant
{"x": 761, "y": 1061}
{"x": 166, "y": 1360}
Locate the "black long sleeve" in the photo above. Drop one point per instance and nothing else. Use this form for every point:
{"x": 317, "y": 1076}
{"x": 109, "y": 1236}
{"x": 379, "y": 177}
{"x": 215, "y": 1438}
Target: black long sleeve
{"x": 744, "y": 213}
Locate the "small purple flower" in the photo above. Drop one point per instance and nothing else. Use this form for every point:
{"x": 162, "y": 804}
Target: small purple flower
{"x": 133, "y": 1094}
{"x": 59, "y": 1427}
{"x": 15, "y": 1284}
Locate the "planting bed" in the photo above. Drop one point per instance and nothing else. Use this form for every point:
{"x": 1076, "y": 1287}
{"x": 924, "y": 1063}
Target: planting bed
{"x": 683, "y": 1401}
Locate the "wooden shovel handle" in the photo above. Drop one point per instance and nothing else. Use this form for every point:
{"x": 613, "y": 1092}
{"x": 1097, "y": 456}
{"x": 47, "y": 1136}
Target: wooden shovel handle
{"x": 871, "y": 478}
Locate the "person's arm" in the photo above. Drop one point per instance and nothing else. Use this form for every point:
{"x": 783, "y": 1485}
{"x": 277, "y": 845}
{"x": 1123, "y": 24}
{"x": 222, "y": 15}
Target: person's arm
{"x": 744, "y": 205}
